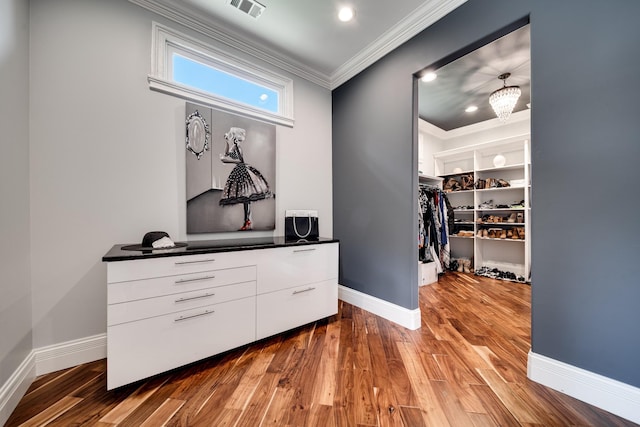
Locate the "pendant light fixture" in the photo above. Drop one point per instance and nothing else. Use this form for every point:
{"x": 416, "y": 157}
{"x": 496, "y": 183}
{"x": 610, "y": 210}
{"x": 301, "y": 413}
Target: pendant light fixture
{"x": 504, "y": 99}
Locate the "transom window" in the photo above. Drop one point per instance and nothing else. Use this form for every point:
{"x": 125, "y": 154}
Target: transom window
{"x": 195, "y": 74}
{"x": 190, "y": 69}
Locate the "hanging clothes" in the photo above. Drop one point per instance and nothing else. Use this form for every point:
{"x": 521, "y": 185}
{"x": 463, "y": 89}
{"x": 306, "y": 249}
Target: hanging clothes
{"x": 435, "y": 219}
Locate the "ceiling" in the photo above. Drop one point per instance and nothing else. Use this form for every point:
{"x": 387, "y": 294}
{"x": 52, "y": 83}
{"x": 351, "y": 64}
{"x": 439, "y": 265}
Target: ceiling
{"x": 305, "y": 37}
{"x": 470, "y": 80}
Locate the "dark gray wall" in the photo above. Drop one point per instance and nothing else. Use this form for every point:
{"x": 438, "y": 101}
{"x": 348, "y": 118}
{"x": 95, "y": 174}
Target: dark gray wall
{"x": 585, "y": 133}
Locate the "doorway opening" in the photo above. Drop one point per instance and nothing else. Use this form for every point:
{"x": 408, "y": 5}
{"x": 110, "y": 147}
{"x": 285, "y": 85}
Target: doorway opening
{"x": 474, "y": 167}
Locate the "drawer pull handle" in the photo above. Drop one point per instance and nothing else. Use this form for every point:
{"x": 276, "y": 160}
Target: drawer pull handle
{"x": 207, "y": 295}
{"x": 195, "y": 279}
{"x": 194, "y": 262}
{"x": 304, "y": 250}
{"x": 204, "y": 313}
{"x": 302, "y": 291}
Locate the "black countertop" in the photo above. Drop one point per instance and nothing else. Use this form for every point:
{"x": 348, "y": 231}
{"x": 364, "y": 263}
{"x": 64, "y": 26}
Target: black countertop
{"x": 117, "y": 253}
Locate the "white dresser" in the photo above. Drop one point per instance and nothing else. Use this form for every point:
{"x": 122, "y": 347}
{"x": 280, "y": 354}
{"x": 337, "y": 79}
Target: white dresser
{"x": 170, "y": 308}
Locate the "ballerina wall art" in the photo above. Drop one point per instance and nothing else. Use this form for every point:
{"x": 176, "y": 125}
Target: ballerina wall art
{"x": 230, "y": 172}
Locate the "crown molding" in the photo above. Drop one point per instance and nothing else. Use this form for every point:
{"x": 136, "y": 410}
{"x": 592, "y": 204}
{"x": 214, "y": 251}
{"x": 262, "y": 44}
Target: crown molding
{"x": 411, "y": 25}
{"x": 518, "y": 116}
{"x": 416, "y": 21}
{"x": 213, "y": 29}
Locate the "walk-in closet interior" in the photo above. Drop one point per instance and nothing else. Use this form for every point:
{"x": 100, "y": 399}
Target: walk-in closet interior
{"x": 474, "y": 163}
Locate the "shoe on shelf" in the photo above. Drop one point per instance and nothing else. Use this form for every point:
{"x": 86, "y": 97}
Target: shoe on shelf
{"x": 520, "y": 217}
{"x": 460, "y": 265}
{"x": 510, "y": 233}
{"x": 485, "y": 233}
{"x": 512, "y": 217}
{"x": 451, "y": 184}
{"x": 503, "y": 234}
{"x": 486, "y": 205}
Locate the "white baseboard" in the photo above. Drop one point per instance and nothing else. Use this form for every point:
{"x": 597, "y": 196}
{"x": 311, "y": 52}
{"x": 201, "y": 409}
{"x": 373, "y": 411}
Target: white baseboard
{"x": 16, "y": 386}
{"x": 45, "y": 360}
{"x": 613, "y": 396}
{"x": 71, "y": 353}
{"x": 410, "y": 319}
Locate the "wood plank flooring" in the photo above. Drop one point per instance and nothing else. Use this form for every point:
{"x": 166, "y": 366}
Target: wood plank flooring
{"x": 466, "y": 366}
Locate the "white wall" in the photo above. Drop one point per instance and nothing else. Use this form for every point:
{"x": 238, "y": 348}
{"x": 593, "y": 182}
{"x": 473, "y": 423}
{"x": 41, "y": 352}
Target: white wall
{"x": 428, "y": 144}
{"x": 15, "y": 288}
{"x": 107, "y": 156}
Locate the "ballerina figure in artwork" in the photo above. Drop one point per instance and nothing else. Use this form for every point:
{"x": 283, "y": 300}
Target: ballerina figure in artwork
{"x": 245, "y": 183}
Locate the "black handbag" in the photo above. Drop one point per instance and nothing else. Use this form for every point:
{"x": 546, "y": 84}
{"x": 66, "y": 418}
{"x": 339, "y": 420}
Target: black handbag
{"x": 301, "y": 225}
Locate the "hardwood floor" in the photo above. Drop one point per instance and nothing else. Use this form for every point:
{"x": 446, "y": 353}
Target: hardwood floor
{"x": 466, "y": 366}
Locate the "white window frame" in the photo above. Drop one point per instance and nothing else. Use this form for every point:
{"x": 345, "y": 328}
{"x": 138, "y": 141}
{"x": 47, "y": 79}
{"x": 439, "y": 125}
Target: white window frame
{"x": 166, "y": 41}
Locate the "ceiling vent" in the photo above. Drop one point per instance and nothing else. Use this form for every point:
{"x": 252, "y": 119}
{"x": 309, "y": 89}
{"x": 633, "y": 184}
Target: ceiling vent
{"x": 250, "y": 7}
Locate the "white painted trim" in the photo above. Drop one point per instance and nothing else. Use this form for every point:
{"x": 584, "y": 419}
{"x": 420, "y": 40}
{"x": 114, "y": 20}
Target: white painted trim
{"x": 48, "y": 359}
{"x": 430, "y": 12}
{"x": 199, "y": 97}
{"x": 613, "y": 396}
{"x": 411, "y": 25}
{"x": 482, "y": 145}
{"x": 16, "y": 386}
{"x": 71, "y": 353}
{"x": 165, "y": 41}
{"x": 518, "y": 116}
{"x": 410, "y": 319}
{"x": 180, "y": 14}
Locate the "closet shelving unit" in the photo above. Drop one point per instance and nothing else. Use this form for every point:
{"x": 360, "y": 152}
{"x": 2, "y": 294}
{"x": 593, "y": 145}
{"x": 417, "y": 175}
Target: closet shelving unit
{"x": 471, "y": 206}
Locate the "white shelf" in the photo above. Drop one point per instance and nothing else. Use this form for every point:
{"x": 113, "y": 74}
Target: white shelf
{"x": 478, "y": 161}
{"x": 460, "y": 192}
{"x": 509, "y": 224}
{"x": 500, "y": 209}
{"x": 482, "y": 190}
{"x": 501, "y": 240}
{"x": 430, "y": 179}
{"x": 517, "y": 166}
{"x": 465, "y": 172}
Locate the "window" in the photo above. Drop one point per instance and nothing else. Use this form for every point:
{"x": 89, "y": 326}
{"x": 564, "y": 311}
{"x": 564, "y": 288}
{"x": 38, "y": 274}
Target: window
{"x": 190, "y": 69}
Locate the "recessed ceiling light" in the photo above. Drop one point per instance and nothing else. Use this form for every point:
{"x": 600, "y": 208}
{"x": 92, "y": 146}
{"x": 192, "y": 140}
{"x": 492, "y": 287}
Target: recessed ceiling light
{"x": 429, "y": 77}
{"x": 471, "y": 109}
{"x": 346, "y": 14}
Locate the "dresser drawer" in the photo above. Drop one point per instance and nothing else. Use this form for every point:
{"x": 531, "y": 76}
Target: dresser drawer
{"x": 151, "y": 307}
{"x": 286, "y": 309}
{"x": 172, "y": 266}
{"x": 149, "y": 288}
{"x": 283, "y": 268}
{"x": 147, "y": 347}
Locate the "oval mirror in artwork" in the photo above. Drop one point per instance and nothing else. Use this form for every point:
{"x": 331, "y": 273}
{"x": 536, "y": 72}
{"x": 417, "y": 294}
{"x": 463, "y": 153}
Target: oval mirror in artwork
{"x": 198, "y": 134}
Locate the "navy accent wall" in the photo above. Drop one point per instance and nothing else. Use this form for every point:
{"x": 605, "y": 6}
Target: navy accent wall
{"x": 585, "y": 173}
